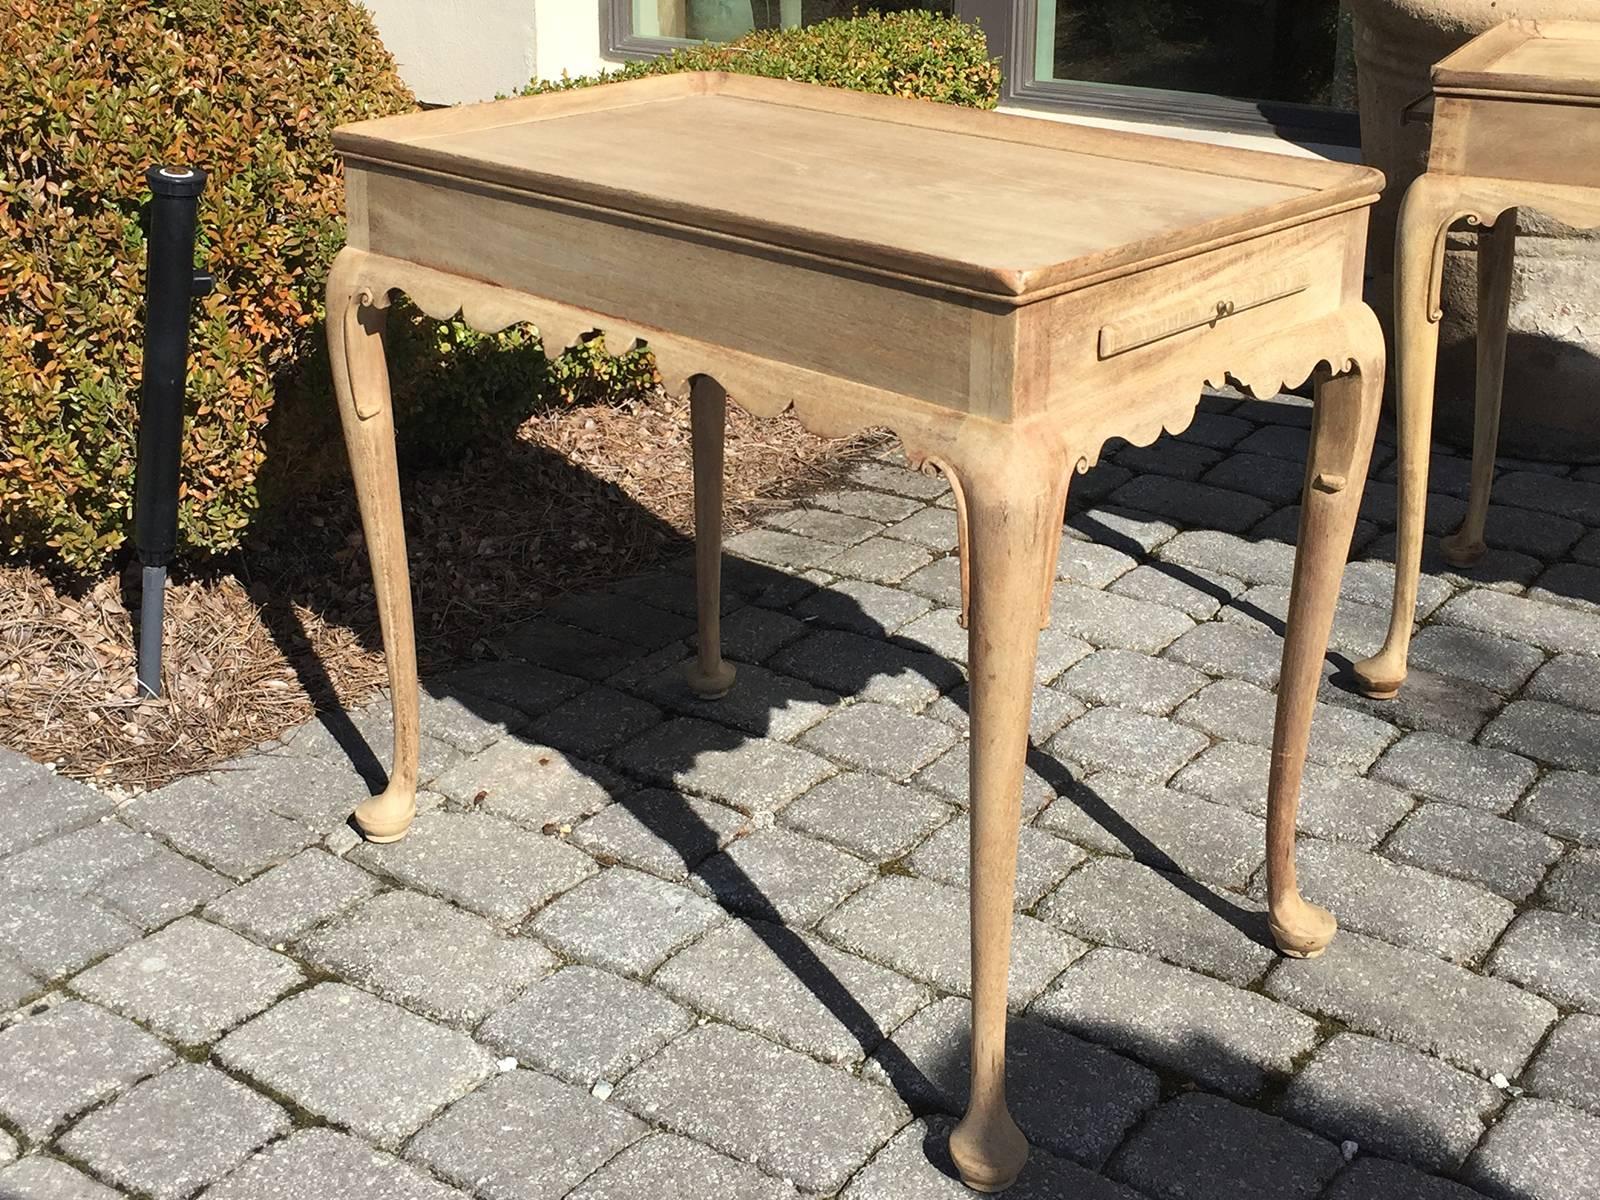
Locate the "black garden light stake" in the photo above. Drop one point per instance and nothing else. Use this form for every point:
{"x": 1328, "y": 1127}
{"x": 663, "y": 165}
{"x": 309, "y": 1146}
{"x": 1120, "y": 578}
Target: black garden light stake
{"x": 171, "y": 286}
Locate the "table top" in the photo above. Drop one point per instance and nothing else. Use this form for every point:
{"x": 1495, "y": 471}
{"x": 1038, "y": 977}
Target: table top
{"x": 1535, "y": 58}
{"x": 998, "y": 204}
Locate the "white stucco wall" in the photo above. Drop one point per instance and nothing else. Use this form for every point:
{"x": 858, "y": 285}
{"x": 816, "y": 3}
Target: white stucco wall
{"x": 453, "y": 51}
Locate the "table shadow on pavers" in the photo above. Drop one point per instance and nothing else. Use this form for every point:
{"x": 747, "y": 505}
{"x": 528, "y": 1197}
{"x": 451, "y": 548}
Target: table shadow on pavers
{"x": 855, "y": 655}
{"x": 850, "y": 654}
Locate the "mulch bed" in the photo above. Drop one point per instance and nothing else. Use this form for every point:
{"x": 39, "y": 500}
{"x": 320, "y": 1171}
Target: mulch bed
{"x": 580, "y": 497}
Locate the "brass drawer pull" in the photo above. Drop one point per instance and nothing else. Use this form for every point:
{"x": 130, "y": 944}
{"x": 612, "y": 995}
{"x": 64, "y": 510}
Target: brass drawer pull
{"x": 1122, "y": 336}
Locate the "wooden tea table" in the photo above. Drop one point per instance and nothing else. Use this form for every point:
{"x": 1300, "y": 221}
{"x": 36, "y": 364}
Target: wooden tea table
{"x": 1003, "y": 293}
{"x": 1516, "y": 121}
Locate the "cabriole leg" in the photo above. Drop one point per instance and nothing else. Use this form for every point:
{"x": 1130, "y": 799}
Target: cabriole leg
{"x": 1427, "y": 210}
{"x": 1342, "y": 430}
{"x": 708, "y": 675}
{"x": 361, "y": 382}
{"x": 1012, "y": 508}
{"x": 1497, "y": 248}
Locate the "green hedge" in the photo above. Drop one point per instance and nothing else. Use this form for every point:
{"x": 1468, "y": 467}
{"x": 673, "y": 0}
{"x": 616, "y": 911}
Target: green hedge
{"x": 918, "y": 54}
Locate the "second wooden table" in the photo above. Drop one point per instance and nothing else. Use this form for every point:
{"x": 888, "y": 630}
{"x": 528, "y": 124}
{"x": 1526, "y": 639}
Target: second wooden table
{"x": 1005, "y": 294}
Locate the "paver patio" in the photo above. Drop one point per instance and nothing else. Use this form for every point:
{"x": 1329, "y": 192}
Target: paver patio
{"x": 638, "y": 945}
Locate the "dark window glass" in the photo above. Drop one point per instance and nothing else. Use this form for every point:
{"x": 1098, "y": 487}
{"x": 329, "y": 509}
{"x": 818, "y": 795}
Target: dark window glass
{"x": 1278, "y": 50}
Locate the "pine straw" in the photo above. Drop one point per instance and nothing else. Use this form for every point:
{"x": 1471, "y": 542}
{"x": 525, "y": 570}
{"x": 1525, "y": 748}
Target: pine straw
{"x": 579, "y": 498}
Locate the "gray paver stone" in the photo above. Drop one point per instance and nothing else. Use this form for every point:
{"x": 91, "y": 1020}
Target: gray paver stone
{"x": 627, "y": 618}
{"x": 879, "y": 737}
{"x": 1106, "y": 619}
{"x": 1504, "y": 857}
{"x": 919, "y": 928}
{"x": 38, "y": 1178}
{"x": 1555, "y": 954}
{"x": 529, "y": 689}
{"x": 316, "y": 791}
{"x": 239, "y": 840}
{"x": 175, "y": 1132}
{"x": 1439, "y": 704}
{"x": 951, "y": 777}
{"x": 862, "y": 606}
{"x": 1501, "y": 664}
{"x": 65, "y": 1059}
{"x": 1091, "y": 564}
{"x": 1551, "y": 626}
{"x": 356, "y": 1061}
{"x": 825, "y": 525}
{"x": 1043, "y": 860}
{"x": 1069, "y": 1097}
{"x": 1392, "y": 1101}
{"x": 1566, "y": 804}
{"x": 1192, "y": 503}
{"x": 1358, "y": 629}
{"x": 162, "y": 887}
{"x": 480, "y": 862}
{"x": 662, "y": 832}
{"x": 37, "y": 804}
{"x": 879, "y": 560}
{"x": 789, "y": 550}
{"x": 784, "y": 1112}
{"x": 585, "y": 1025}
{"x": 320, "y": 1164}
{"x": 752, "y": 774}
{"x": 1246, "y": 1153}
{"x": 523, "y": 1136}
{"x": 916, "y": 1165}
{"x": 669, "y": 1167}
{"x": 1196, "y": 592}
{"x": 875, "y": 506}
{"x": 1276, "y": 479}
{"x": 1574, "y": 885}
{"x": 793, "y": 988}
{"x": 1242, "y": 712}
{"x": 1457, "y": 771}
{"x": 422, "y": 953}
{"x": 1241, "y": 558}
{"x": 1567, "y": 1067}
{"x": 76, "y": 862}
{"x": 753, "y": 635}
{"x": 191, "y": 981}
{"x": 1232, "y": 1040}
{"x": 1401, "y": 904}
{"x": 779, "y": 875}
{"x": 594, "y": 722}
{"x": 1131, "y": 680}
{"x": 1333, "y": 804}
{"x": 868, "y": 815}
{"x": 1539, "y": 1149}
{"x": 53, "y": 934}
{"x": 1568, "y": 679}
{"x": 1232, "y": 649}
{"x": 1480, "y": 1024}
{"x": 528, "y": 783}
{"x": 1115, "y": 902}
{"x": 761, "y": 703}
{"x": 1122, "y": 740}
{"x": 625, "y": 921}
{"x": 281, "y": 904}
{"x": 900, "y": 480}
{"x": 16, "y": 985}
{"x": 1122, "y": 814}
{"x": 566, "y": 649}
{"x": 867, "y": 668}
{"x": 1554, "y": 734}
{"x": 1381, "y": 1179}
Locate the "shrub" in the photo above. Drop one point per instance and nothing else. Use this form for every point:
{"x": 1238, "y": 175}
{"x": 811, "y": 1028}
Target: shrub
{"x": 93, "y": 91}
{"x": 921, "y": 55}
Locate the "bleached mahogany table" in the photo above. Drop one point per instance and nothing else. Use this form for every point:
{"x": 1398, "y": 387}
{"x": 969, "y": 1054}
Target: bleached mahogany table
{"x": 1516, "y": 121}
{"x": 1003, "y": 293}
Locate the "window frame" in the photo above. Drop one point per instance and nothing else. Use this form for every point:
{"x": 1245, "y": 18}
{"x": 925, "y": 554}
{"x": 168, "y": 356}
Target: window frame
{"x": 1012, "y": 28}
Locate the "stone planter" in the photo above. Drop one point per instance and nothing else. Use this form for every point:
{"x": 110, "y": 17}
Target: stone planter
{"x": 1552, "y": 376}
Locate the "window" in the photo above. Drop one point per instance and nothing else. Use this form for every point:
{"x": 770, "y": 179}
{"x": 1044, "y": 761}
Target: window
{"x": 720, "y": 20}
{"x": 1279, "y": 66}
